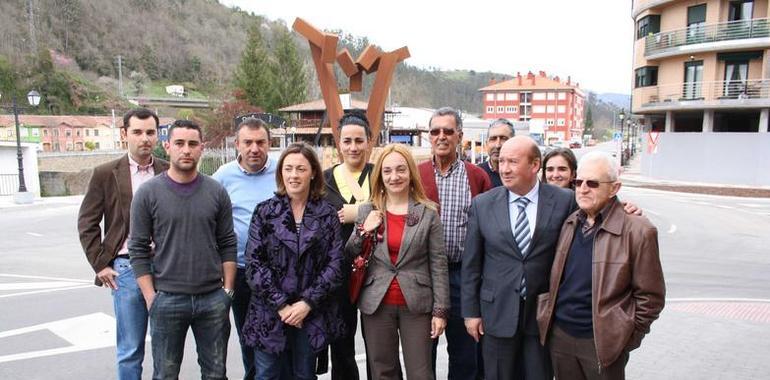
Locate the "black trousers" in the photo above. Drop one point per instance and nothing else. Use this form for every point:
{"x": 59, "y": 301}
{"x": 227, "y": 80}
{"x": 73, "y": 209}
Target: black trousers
{"x": 518, "y": 357}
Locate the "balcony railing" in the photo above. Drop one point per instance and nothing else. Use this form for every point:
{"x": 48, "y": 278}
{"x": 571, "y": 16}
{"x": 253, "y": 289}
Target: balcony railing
{"x": 703, "y": 33}
{"x": 733, "y": 91}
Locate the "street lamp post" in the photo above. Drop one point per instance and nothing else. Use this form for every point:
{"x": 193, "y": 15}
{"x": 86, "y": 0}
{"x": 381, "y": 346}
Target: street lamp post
{"x": 621, "y": 116}
{"x": 22, "y": 196}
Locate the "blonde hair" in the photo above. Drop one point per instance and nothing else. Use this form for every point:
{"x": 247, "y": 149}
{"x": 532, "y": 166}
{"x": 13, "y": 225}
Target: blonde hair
{"x": 416, "y": 192}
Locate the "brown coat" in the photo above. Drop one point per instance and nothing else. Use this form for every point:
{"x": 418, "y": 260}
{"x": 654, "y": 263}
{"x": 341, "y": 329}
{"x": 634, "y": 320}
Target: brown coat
{"x": 628, "y": 290}
{"x": 109, "y": 197}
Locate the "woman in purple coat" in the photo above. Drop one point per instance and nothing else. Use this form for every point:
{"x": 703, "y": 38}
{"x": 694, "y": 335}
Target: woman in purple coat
{"x": 293, "y": 265}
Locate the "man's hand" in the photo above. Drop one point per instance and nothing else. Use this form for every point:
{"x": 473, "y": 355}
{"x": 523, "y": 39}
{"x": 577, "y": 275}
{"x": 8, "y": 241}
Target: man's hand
{"x": 294, "y": 314}
{"x": 475, "y": 328}
{"x": 437, "y": 326}
{"x": 107, "y": 277}
{"x": 631, "y": 208}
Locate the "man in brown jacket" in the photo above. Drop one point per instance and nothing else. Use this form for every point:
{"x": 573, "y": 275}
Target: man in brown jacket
{"x": 108, "y": 197}
{"x": 606, "y": 285}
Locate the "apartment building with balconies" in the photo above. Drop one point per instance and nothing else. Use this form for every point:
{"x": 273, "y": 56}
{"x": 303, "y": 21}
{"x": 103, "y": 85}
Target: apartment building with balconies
{"x": 703, "y": 66}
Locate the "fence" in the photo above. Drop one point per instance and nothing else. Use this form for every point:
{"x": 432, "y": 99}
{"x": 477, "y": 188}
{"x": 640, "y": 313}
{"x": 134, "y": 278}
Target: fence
{"x": 9, "y": 183}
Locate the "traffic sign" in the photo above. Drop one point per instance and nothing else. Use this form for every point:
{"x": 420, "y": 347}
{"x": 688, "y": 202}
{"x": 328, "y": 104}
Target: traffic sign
{"x": 617, "y": 136}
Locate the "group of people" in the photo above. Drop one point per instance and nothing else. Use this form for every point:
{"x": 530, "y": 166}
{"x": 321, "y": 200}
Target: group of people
{"x": 528, "y": 274}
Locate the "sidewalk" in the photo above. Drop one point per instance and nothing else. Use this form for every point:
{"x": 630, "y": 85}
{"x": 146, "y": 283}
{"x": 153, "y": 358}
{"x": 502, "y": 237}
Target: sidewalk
{"x": 631, "y": 176}
{"x": 7, "y": 203}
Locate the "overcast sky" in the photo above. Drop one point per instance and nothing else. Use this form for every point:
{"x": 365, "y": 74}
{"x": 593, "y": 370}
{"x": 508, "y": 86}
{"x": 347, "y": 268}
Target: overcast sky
{"x": 588, "y": 40}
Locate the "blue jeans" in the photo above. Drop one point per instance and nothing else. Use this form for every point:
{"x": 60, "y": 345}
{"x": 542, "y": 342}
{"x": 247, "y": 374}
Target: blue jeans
{"x": 131, "y": 321}
{"x": 463, "y": 351}
{"x": 172, "y": 314}
{"x": 240, "y": 308}
{"x": 298, "y": 352}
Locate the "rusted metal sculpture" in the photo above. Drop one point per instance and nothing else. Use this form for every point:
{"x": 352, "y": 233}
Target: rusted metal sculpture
{"x": 323, "y": 47}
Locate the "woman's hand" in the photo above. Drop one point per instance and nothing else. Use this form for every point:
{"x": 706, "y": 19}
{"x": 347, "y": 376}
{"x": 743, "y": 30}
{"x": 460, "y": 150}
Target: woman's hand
{"x": 437, "y": 326}
{"x": 295, "y": 313}
{"x": 373, "y": 220}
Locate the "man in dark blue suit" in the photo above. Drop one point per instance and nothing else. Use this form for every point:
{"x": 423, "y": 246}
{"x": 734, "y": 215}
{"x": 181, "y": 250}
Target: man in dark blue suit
{"x": 509, "y": 249}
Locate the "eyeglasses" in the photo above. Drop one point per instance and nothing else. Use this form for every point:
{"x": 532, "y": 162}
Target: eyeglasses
{"x": 447, "y": 131}
{"x": 589, "y": 182}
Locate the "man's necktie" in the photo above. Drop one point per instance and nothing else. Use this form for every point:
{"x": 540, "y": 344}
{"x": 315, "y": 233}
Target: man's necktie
{"x": 521, "y": 235}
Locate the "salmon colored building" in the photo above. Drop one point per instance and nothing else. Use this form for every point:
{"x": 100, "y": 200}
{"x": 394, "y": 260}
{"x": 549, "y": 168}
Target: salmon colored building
{"x": 548, "y": 102}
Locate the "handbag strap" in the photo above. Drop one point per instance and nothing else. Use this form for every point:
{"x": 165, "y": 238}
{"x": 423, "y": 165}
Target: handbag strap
{"x": 353, "y": 185}
{"x": 372, "y": 241}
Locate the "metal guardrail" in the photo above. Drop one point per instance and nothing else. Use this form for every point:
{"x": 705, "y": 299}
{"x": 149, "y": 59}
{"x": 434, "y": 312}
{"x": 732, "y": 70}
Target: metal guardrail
{"x": 720, "y": 90}
{"x": 9, "y": 183}
{"x": 698, "y": 34}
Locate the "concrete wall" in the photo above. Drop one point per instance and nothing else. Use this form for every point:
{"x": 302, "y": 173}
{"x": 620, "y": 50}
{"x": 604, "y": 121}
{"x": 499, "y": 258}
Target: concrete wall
{"x": 720, "y": 158}
{"x": 55, "y": 184}
{"x": 75, "y": 161}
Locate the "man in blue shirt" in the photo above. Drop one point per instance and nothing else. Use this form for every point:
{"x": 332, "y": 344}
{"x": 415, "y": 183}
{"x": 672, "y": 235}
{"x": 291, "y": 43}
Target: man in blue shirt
{"x": 249, "y": 180}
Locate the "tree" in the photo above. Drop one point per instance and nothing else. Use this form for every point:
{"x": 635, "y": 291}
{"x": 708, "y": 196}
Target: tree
{"x": 90, "y": 146}
{"x": 588, "y": 122}
{"x": 287, "y": 73}
{"x": 252, "y": 76}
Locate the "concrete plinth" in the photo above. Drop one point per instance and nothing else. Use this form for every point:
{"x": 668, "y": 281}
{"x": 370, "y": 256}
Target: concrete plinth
{"x": 23, "y": 197}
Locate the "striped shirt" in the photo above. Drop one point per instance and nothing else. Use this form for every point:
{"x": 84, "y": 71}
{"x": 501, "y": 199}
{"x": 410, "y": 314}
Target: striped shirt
{"x": 454, "y": 194}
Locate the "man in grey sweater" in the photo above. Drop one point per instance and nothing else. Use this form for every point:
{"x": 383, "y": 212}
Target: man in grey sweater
{"x": 188, "y": 277}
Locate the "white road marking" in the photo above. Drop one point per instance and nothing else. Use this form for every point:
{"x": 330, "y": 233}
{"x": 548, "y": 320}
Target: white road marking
{"x": 37, "y": 285}
{"x": 725, "y": 207}
{"x": 672, "y": 229}
{"x": 762, "y": 300}
{"x": 749, "y": 205}
{"x": 87, "y": 332}
{"x": 45, "y": 291}
{"x": 45, "y": 278}
{"x": 35, "y": 234}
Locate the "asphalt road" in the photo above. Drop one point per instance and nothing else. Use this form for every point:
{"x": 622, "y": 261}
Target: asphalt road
{"x": 55, "y": 325}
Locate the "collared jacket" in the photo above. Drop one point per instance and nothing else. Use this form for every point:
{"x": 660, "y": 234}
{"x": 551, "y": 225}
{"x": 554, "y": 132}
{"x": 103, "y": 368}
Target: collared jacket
{"x": 421, "y": 265}
{"x": 283, "y": 267}
{"x": 628, "y": 290}
{"x": 108, "y": 196}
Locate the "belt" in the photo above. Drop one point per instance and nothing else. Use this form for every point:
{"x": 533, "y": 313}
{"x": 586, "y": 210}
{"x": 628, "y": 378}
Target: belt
{"x": 124, "y": 256}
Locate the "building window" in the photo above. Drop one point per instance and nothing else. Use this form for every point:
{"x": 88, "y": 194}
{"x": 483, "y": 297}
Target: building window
{"x": 525, "y": 110}
{"x": 510, "y": 96}
{"x": 510, "y": 109}
{"x": 549, "y": 122}
{"x": 490, "y": 96}
{"x": 55, "y": 147}
{"x": 35, "y": 132}
{"x": 56, "y": 133}
{"x": 500, "y": 109}
{"x": 741, "y": 10}
{"x": 490, "y": 109}
{"x": 96, "y": 145}
{"x": 539, "y": 96}
{"x": 693, "y": 80}
{"x": 96, "y": 132}
{"x": 77, "y": 133}
{"x": 10, "y": 132}
{"x": 500, "y": 96}
{"x": 560, "y": 122}
{"x": 646, "y": 76}
{"x": 551, "y": 96}
{"x": 561, "y": 109}
{"x": 45, "y": 132}
{"x": 696, "y": 23}
{"x": 538, "y": 109}
{"x": 88, "y": 132}
{"x": 69, "y": 146}
{"x": 736, "y": 79}
{"x": 562, "y": 95}
{"x": 550, "y": 109}
{"x": 68, "y": 133}
{"x": 525, "y": 97}
{"x": 647, "y": 25}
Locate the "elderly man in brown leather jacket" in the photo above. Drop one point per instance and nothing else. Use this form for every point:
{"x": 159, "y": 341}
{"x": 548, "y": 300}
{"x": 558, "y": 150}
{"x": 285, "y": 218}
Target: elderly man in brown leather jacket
{"x": 606, "y": 285}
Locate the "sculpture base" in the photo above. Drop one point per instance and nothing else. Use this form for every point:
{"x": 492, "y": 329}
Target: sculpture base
{"x": 23, "y": 198}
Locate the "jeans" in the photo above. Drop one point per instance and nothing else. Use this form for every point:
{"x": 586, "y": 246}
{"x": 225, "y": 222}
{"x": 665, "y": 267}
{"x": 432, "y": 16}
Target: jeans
{"x": 463, "y": 351}
{"x": 172, "y": 314}
{"x": 240, "y": 308}
{"x": 131, "y": 321}
{"x": 298, "y": 351}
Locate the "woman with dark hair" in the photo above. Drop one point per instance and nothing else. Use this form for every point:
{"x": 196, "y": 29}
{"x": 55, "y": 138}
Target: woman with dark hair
{"x": 347, "y": 186}
{"x": 560, "y": 168}
{"x": 293, "y": 266}
{"x": 405, "y": 294}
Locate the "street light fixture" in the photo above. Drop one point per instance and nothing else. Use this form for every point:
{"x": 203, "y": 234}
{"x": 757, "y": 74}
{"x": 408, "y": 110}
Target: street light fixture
{"x": 22, "y": 196}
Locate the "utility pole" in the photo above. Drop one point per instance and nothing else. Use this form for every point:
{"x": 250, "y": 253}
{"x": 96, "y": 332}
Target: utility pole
{"x": 120, "y": 75}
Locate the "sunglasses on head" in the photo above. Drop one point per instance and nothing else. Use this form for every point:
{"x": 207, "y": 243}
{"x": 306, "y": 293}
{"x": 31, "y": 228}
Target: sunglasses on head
{"x": 447, "y": 131}
{"x": 589, "y": 182}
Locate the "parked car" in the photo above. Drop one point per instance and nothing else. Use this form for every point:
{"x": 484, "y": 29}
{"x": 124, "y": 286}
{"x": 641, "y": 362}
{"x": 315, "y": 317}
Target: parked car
{"x": 575, "y": 145}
